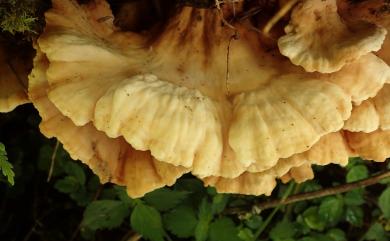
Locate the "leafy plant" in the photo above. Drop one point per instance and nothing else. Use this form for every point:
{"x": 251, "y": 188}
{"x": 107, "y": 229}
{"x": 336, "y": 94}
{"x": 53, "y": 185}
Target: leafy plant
{"x": 6, "y": 167}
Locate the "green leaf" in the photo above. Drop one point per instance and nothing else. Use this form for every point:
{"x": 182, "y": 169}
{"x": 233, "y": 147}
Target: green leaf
{"x": 5, "y": 166}
{"x": 377, "y": 233}
{"x": 164, "y": 199}
{"x": 181, "y": 221}
{"x": 254, "y": 221}
{"x": 246, "y": 234}
{"x": 76, "y": 170}
{"x": 331, "y": 209}
{"x": 313, "y": 220}
{"x": 219, "y": 203}
{"x": 204, "y": 217}
{"x": 123, "y": 196}
{"x": 223, "y": 229}
{"x": 353, "y": 161}
{"x": 310, "y": 186}
{"x": 354, "y": 215}
{"x": 147, "y": 221}
{"x": 283, "y": 230}
{"x": 384, "y": 202}
{"x": 67, "y": 185}
{"x": 104, "y": 214}
{"x": 354, "y": 197}
{"x": 357, "y": 173}
{"x": 336, "y": 234}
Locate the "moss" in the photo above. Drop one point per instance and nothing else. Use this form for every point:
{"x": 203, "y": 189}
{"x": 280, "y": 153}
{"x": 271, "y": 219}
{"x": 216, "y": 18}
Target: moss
{"x": 22, "y": 16}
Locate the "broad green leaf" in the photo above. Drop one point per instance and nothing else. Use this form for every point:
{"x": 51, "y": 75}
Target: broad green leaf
{"x": 104, "y": 214}
{"x": 354, "y": 215}
{"x": 123, "y": 196}
{"x": 204, "y": 216}
{"x": 310, "y": 186}
{"x": 219, "y": 203}
{"x": 164, "y": 199}
{"x": 5, "y": 166}
{"x": 76, "y": 170}
{"x": 354, "y": 197}
{"x": 384, "y": 202}
{"x": 246, "y": 234}
{"x": 223, "y": 229}
{"x": 331, "y": 209}
{"x": 82, "y": 197}
{"x": 181, "y": 221}
{"x": 147, "y": 221}
{"x": 313, "y": 220}
{"x": 353, "y": 161}
{"x": 254, "y": 221}
{"x": 282, "y": 230}
{"x": 357, "y": 173}
{"x": 377, "y": 233}
{"x": 68, "y": 184}
{"x": 336, "y": 234}
{"x": 302, "y": 226}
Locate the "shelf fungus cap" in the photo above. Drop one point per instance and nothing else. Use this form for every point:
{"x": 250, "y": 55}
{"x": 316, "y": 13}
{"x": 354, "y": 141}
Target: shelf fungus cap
{"x": 299, "y": 174}
{"x": 372, "y": 114}
{"x": 318, "y": 40}
{"x": 364, "y": 118}
{"x": 370, "y": 146}
{"x": 12, "y": 85}
{"x": 170, "y": 94}
{"x": 363, "y": 78}
{"x": 331, "y": 148}
{"x": 112, "y": 159}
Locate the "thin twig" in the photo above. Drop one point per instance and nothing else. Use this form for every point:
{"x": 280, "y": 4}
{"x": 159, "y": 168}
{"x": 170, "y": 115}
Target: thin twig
{"x": 53, "y": 160}
{"x": 220, "y": 12}
{"x": 281, "y": 13}
{"x": 317, "y": 194}
{"x": 276, "y": 209}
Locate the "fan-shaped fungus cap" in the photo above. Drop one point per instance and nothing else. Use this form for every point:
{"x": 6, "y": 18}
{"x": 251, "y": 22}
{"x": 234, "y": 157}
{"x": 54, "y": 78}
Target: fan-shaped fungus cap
{"x": 317, "y": 39}
{"x": 112, "y": 160}
{"x": 170, "y": 93}
{"x": 12, "y": 88}
{"x": 371, "y": 146}
{"x": 363, "y": 78}
{"x": 364, "y": 118}
{"x": 299, "y": 174}
{"x": 332, "y": 148}
{"x": 371, "y": 114}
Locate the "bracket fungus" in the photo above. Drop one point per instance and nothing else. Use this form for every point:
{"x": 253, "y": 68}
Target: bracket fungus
{"x": 202, "y": 96}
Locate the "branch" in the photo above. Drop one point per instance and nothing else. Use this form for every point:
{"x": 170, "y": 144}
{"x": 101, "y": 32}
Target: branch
{"x": 316, "y": 194}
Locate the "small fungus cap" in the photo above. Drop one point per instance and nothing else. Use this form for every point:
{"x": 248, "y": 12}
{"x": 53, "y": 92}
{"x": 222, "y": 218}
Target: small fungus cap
{"x": 318, "y": 40}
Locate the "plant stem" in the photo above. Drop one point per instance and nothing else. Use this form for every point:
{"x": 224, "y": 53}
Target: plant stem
{"x": 316, "y": 194}
{"x": 53, "y": 160}
{"x": 272, "y": 214}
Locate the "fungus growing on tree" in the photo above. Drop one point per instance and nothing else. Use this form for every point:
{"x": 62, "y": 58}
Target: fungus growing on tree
{"x": 198, "y": 96}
